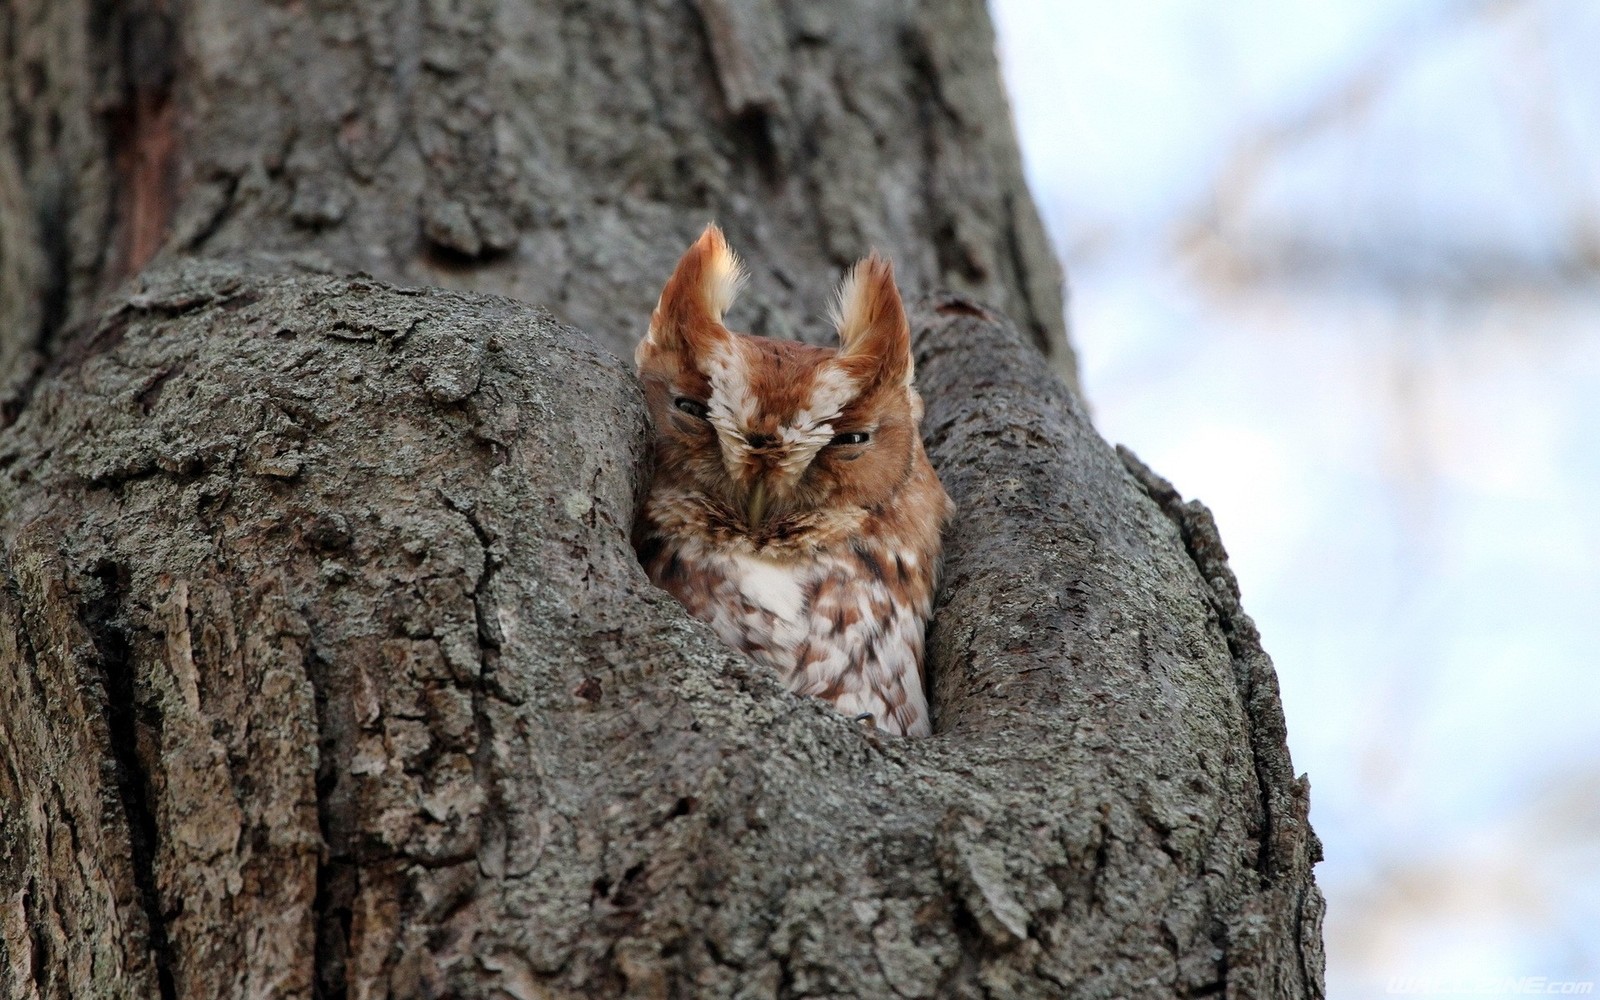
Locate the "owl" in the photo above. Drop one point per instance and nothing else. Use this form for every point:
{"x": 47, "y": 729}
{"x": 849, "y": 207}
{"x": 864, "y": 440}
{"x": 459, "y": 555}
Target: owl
{"x": 793, "y": 507}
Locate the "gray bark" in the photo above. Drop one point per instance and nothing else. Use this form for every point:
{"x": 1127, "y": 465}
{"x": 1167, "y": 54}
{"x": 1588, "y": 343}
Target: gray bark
{"x": 326, "y": 668}
{"x": 561, "y": 153}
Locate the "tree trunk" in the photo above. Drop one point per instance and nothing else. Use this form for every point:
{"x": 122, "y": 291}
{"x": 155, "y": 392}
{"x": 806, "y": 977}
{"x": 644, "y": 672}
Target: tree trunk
{"x": 326, "y": 668}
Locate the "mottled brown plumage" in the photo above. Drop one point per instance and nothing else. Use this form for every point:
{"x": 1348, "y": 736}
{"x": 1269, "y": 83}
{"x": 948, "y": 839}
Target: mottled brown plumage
{"x": 793, "y": 506}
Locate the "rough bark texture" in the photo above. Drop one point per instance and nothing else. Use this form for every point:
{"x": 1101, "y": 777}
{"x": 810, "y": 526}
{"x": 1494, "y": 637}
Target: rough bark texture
{"x": 326, "y": 668}
{"x": 332, "y": 665}
{"x": 563, "y": 153}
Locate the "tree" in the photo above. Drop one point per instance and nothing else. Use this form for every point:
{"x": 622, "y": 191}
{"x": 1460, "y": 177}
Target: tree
{"x": 326, "y": 668}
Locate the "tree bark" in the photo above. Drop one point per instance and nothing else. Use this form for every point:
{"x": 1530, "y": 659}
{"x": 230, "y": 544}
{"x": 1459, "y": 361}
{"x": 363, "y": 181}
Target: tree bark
{"x": 326, "y": 668}
{"x": 560, "y": 153}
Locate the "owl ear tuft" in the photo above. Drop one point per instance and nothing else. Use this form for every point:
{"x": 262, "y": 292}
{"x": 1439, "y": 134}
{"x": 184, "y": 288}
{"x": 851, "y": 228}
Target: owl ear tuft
{"x": 688, "y": 316}
{"x": 874, "y": 337}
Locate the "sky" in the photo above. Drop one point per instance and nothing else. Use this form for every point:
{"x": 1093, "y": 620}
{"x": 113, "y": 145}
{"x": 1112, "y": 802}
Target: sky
{"x": 1334, "y": 269}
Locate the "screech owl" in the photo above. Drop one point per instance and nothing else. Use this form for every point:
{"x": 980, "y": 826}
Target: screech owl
{"x": 793, "y": 506}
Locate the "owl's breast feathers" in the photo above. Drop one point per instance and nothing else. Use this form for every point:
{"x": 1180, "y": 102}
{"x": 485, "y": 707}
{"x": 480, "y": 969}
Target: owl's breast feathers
{"x": 836, "y": 602}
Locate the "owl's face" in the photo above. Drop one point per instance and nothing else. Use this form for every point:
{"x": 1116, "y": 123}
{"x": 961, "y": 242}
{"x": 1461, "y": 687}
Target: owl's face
{"x": 777, "y": 433}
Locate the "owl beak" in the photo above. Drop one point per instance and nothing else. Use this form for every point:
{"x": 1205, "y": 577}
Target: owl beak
{"x": 755, "y": 508}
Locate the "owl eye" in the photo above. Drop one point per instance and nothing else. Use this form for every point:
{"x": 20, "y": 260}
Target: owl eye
{"x": 853, "y": 437}
{"x": 693, "y": 407}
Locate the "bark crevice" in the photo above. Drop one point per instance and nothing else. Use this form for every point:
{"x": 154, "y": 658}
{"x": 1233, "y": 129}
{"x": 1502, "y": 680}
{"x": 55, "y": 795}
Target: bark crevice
{"x": 337, "y": 870}
{"x": 103, "y": 617}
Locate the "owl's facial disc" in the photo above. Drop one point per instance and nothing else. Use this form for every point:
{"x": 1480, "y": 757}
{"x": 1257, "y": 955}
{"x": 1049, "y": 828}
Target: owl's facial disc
{"x": 774, "y": 406}
{"x": 793, "y": 442}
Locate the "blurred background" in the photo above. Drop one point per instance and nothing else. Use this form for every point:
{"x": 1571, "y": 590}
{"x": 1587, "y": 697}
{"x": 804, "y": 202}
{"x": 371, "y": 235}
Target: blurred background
{"x": 1335, "y": 271}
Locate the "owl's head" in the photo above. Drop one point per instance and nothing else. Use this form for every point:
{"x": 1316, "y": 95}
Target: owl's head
{"x": 776, "y": 431}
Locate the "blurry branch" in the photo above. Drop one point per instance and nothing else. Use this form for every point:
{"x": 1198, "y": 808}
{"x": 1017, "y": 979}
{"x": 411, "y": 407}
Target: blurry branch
{"x": 1232, "y": 241}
